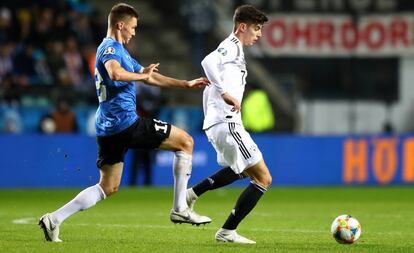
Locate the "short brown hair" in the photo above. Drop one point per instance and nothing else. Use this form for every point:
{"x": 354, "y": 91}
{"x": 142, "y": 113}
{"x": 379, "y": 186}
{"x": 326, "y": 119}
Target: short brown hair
{"x": 120, "y": 11}
{"x": 249, "y": 14}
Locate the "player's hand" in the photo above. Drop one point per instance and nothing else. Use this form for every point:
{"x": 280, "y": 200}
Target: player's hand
{"x": 151, "y": 68}
{"x": 231, "y": 101}
{"x": 198, "y": 83}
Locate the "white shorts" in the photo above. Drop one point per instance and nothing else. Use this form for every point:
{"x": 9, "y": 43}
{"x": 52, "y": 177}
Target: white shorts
{"x": 234, "y": 146}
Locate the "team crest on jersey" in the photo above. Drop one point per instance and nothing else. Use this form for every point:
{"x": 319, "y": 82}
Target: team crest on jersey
{"x": 222, "y": 51}
{"x": 109, "y": 50}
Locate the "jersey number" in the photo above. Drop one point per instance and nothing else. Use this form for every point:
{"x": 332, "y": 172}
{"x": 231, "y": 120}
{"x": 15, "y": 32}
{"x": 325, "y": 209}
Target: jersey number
{"x": 160, "y": 125}
{"x": 100, "y": 86}
{"x": 243, "y": 77}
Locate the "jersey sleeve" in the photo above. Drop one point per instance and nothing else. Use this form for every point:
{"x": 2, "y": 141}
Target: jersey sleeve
{"x": 112, "y": 51}
{"x": 226, "y": 52}
{"x": 137, "y": 66}
{"x": 213, "y": 64}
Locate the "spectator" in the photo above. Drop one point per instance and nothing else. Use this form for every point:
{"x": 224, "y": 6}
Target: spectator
{"x": 61, "y": 26}
{"x": 6, "y": 65}
{"x": 7, "y": 32}
{"x": 57, "y": 63}
{"x": 61, "y": 120}
{"x": 199, "y": 18}
{"x": 12, "y": 121}
{"x": 25, "y": 73}
{"x": 43, "y": 26}
{"x": 7, "y": 85}
{"x": 43, "y": 73}
{"x": 83, "y": 31}
{"x": 31, "y": 67}
{"x": 64, "y": 117}
{"x": 73, "y": 61}
{"x": 24, "y": 19}
{"x": 77, "y": 67}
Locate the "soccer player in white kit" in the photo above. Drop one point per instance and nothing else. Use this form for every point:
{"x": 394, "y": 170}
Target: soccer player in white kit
{"x": 225, "y": 67}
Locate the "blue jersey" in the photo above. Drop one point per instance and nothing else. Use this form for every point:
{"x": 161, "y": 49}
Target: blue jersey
{"x": 117, "y": 99}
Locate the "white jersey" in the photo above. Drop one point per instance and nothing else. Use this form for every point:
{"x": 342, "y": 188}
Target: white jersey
{"x": 225, "y": 67}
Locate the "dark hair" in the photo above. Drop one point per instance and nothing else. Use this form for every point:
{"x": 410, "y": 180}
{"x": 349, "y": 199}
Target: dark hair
{"x": 120, "y": 11}
{"x": 249, "y": 15}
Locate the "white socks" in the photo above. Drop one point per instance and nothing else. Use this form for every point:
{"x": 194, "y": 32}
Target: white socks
{"x": 84, "y": 200}
{"x": 90, "y": 196}
{"x": 182, "y": 171}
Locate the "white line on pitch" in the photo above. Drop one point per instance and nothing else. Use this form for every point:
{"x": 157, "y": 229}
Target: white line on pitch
{"x": 33, "y": 221}
{"x": 28, "y": 220}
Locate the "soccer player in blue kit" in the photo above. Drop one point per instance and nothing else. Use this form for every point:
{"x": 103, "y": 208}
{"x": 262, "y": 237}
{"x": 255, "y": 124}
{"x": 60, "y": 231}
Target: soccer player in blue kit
{"x": 119, "y": 128}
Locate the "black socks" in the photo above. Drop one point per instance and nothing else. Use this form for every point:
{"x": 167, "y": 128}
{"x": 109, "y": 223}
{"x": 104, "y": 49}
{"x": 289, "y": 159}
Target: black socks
{"x": 221, "y": 178}
{"x": 246, "y": 202}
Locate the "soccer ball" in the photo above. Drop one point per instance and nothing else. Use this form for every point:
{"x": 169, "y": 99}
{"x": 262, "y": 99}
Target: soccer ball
{"x": 346, "y": 229}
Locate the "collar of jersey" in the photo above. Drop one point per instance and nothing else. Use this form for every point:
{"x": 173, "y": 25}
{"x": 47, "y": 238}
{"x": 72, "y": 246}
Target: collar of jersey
{"x": 232, "y": 35}
{"x": 110, "y": 38}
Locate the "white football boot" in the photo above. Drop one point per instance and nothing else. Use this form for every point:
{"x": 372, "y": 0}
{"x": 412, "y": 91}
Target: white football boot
{"x": 225, "y": 235}
{"x": 188, "y": 216}
{"x": 191, "y": 198}
{"x": 50, "y": 230}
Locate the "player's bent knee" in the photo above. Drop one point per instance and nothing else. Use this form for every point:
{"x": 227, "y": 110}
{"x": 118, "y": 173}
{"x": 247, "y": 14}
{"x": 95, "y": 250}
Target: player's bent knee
{"x": 268, "y": 181}
{"x": 187, "y": 144}
{"x": 264, "y": 181}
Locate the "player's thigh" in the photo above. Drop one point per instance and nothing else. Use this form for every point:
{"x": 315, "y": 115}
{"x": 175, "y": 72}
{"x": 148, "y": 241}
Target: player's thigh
{"x": 234, "y": 146}
{"x": 179, "y": 140}
{"x": 110, "y": 177}
{"x": 148, "y": 133}
{"x": 259, "y": 173}
{"x": 112, "y": 148}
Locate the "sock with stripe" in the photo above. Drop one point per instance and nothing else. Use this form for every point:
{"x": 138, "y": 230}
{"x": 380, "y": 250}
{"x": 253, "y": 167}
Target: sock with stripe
{"x": 246, "y": 202}
{"x": 221, "y": 178}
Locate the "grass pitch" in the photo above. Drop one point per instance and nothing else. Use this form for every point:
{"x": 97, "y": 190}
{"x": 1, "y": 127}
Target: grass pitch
{"x": 285, "y": 220}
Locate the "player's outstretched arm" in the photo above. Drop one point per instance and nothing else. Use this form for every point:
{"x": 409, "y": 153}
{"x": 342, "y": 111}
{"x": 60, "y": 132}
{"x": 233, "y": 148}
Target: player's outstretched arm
{"x": 198, "y": 83}
{"x": 164, "y": 81}
{"x": 117, "y": 73}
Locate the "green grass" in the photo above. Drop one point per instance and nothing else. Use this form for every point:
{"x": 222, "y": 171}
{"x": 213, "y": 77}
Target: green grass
{"x": 285, "y": 220}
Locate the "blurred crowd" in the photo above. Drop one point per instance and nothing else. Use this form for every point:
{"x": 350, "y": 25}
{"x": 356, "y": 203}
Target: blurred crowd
{"x": 47, "y": 58}
{"x": 46, "y": 43}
